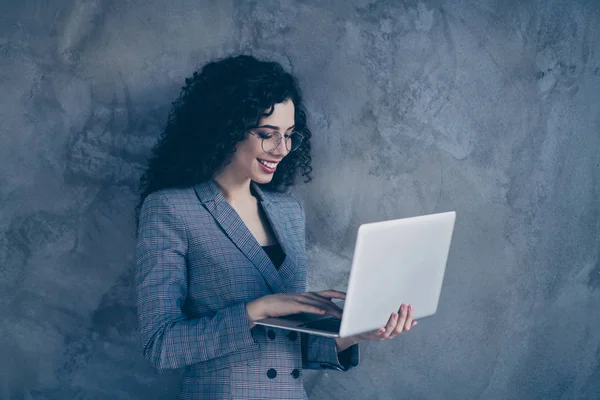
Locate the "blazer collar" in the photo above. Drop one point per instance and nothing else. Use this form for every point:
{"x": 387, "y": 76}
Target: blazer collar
{"x": 209, "y": 194}
{"x": 208, "y": 191}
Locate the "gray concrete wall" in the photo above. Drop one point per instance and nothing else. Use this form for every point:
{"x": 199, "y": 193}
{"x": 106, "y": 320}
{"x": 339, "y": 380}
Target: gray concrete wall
{"x": 489, "y": 108}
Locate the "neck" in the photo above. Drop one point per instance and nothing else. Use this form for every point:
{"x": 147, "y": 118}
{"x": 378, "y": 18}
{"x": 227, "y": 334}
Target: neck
{"x": 234, "y": 190}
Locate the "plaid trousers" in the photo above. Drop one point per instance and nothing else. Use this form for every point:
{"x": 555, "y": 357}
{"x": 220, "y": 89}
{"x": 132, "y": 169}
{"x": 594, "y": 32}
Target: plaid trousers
{"x": 197, "y": 266}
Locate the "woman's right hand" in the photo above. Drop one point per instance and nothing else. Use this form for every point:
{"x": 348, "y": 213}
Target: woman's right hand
{"x": 280, "y": 304}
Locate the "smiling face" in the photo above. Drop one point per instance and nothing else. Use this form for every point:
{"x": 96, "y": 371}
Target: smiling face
{"x": 245, "y": 162}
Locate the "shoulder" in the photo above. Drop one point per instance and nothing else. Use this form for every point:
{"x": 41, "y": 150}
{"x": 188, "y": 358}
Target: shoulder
{"x": 282, "y": 199}
{"x": 172, "y": 198}
{"x": 288, "y": 205}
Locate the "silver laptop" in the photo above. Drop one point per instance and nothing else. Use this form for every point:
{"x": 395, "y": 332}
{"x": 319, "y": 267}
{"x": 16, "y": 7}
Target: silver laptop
{"x": 394, "y": 262}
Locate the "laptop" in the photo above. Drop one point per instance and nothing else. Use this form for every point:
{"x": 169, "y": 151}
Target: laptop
{"x": 394, "y": 262}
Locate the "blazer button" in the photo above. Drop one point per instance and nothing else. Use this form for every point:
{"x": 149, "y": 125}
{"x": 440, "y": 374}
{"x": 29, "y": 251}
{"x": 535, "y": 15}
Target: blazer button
{"x": 293, "y": 336}
{"x": 271, "y": 373}
{"x": 295, "y": 373}
{"x": 271, "y": 335}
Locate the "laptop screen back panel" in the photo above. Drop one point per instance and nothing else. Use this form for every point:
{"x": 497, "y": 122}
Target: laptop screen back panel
{"x": 397, "y": 261}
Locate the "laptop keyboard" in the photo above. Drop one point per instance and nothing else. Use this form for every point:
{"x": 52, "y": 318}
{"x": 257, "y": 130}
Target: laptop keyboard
{"x": 325, "y": 324}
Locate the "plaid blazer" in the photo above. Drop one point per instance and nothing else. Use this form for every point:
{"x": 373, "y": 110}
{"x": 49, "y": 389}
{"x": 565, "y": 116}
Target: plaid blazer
{"x": 197, "y": 265}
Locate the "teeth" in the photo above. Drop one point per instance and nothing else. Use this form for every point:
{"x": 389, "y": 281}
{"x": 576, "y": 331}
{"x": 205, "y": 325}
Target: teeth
{"x": 268, "y": 164}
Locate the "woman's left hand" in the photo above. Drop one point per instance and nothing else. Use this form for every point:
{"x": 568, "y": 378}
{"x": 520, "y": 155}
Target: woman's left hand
{"x": 399, "y": 322}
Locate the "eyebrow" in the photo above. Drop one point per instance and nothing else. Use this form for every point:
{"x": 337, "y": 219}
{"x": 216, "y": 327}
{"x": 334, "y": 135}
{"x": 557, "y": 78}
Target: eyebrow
{"x": 274, "y": 127}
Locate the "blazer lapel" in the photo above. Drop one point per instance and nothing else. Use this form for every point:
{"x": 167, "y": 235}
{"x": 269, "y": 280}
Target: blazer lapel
{"x": 278, "y": 222}
{"x": 210, "y": 195}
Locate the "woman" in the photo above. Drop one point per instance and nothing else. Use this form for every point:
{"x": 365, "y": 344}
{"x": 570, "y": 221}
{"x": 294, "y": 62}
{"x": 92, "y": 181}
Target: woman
{"x": 221, "y": 244}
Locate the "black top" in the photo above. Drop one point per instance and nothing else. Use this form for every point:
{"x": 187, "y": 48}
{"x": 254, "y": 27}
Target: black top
{"x": 275, "y": 253}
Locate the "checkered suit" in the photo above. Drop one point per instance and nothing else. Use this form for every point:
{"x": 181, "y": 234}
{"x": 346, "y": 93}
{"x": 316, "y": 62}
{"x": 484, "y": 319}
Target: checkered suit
{"x": 197, "y": 265}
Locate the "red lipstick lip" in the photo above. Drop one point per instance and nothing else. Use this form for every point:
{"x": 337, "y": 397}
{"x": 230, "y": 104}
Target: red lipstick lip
{"x": 266, "y": 169}
{"x": 262, "y": 159}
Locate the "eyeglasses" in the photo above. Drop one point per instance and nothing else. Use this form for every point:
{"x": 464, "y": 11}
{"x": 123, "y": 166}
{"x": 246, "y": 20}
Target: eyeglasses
{"x": 270, "y": 141}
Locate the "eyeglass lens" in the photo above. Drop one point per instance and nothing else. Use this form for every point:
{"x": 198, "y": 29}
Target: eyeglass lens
{"x": 292, "y": 143}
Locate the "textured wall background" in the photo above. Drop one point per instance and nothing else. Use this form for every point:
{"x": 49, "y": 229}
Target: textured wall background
{"x": 490, "y": 108}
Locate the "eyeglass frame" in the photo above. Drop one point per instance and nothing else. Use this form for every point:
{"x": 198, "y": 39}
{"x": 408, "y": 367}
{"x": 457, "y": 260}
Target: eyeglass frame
{"x": 262, "y": 140}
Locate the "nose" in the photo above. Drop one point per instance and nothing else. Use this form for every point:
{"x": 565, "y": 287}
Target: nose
{"x": 280, "y": 150}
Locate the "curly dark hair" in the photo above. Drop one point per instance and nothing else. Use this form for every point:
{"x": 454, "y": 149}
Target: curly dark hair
{"x": 213, "y": 112}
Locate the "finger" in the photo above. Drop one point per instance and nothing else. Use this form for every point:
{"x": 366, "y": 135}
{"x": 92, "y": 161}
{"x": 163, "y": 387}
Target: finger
{"x": 331, "y": 294}
{"x": 326, "y": 305}
{"x": 334, "y": 312}
{"x": 391, "y": 324}
{"x": 330, "y": 299}
{"x": 309, "y": 308}
{"x": 412, "y": 325}
{"x": 325, "y": 301}
{"x": 399, "y": 323}
{"x": 375, "y": 335}
{"x": 401, "y": 319}
{"x": 397, "y": 328}
{"x": 337, "y": 309}
{"x": 409, "y": 318}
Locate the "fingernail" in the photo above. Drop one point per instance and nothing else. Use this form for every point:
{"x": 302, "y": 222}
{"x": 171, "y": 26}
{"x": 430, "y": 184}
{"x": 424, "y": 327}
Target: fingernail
{"x": 403, "y": 307}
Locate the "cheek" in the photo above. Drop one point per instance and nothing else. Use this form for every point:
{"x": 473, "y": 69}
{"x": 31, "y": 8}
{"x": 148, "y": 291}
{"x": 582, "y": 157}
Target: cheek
{"x": 249, "y": 148}
{"x": 242, "y": 151}
{"x": 247, "y": 155}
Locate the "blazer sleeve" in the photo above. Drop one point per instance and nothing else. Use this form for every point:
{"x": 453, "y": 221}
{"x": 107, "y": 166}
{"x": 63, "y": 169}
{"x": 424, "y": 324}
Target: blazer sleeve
{"x": 169, "y": 338}
{"x": 319, "y": 352}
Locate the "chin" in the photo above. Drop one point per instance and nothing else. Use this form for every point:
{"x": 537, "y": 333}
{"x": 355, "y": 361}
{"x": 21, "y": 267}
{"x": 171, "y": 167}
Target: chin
{"x": 262, "y": 179}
